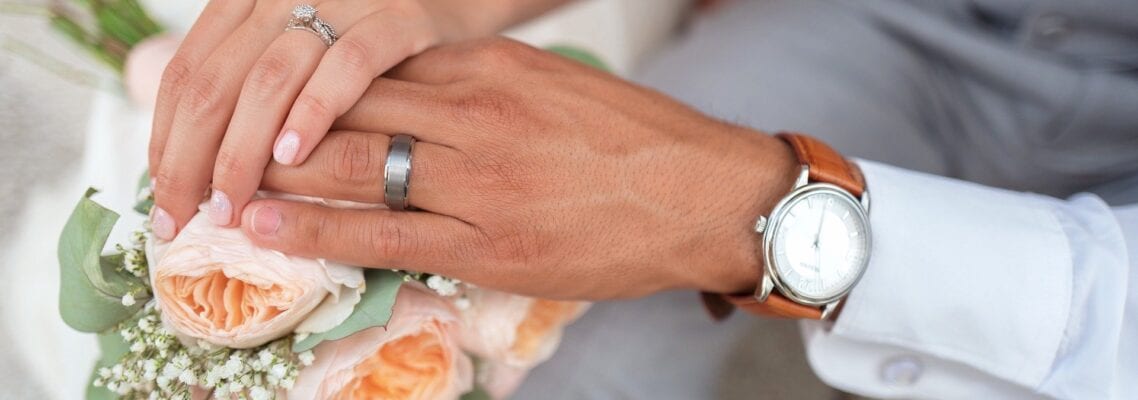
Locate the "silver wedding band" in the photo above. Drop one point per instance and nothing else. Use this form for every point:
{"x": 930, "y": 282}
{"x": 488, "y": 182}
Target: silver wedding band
{"x": 397, "y": 172}
{"x": 304, "y": 19}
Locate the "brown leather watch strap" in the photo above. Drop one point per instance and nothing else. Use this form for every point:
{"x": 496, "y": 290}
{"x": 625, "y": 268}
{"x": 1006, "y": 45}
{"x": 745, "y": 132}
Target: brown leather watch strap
{"x": 776, "y": 306}
{"x": 827, "y": 166}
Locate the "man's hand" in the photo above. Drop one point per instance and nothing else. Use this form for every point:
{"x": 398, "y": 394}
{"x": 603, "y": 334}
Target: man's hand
{"x": 536, "y": 175}
{"x": 241, "y": 90}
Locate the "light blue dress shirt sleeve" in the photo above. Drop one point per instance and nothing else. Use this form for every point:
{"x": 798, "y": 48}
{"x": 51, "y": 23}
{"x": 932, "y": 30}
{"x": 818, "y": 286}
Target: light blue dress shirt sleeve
{"x": 977, "y": 292}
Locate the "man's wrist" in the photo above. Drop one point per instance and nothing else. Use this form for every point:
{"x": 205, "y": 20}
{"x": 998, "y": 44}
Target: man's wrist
{"x": 767, "y": 172}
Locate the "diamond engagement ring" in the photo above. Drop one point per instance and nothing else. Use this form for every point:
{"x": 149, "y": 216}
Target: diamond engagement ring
{"x": 397, "y": 172}
{"x": 304, "y": 19}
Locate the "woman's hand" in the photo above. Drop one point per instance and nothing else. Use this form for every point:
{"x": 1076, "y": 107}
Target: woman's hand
{"x": 242, "y": 89}
{"x": 536, "y": 175}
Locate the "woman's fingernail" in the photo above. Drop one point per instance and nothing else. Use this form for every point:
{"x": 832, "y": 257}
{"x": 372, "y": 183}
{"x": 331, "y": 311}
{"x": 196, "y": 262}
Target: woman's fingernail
{"x": 162, "y": 224}
{"x": 220, "y": 209}
{"x": 285, "y": 150}
{"x": 153, "y": 183}
{"x": 266, "y": 220}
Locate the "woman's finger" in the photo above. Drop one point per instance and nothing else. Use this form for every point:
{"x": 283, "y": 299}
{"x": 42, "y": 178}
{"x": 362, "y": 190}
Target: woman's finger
{"x": 381, "y": 238}
{"x": 268, "y": 91}
{"x": 200, "y": 119}
{"x": 369, "y": 48}
{"x": 349, "y": 166}
{"x": 217, "y": 21}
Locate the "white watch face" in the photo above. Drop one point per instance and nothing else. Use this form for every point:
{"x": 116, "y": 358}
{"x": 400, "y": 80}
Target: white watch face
{"x": 820, "y": 244}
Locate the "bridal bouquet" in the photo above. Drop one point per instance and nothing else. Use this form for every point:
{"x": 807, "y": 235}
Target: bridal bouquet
{"x": 210, "y": 315}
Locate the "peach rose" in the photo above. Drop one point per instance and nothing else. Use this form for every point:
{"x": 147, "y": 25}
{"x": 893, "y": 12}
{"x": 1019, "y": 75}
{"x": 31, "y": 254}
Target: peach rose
{"x": 415, "y": 357}
{"x": 515, "y": 330}
{"x": 212, "y": 283}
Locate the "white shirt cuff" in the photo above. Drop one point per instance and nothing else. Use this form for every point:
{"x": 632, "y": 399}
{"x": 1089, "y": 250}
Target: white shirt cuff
{"x": 964, "y": 282}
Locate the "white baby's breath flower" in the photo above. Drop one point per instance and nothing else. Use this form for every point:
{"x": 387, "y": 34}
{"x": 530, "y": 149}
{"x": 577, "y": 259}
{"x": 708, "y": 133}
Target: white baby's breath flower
{"x": 163, "y": 382}
{"x": 236, "y": 387}
{"x": 150, "y": 370}
{"x": 144, "y": 194}
{"x": 443, "y": 286}
{"x": 128, "y": 300}
{"x": 188, "y": 378}
{"x": 207, "y": 346}
{"x": 278, "y": 372}
{"x": 265, "y": 357}
{"x": 232, "y": 367}
{"x": 306, "y": 358}
{"x": 259, "y": 393}
{"x": 137, "y": 347}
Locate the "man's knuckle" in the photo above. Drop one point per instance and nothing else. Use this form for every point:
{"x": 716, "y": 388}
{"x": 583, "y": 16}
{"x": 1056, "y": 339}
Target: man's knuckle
{"x": 353, "y": 160}
{"x": 391, "y": 240}
{"x": 513, "y": 245}
{"x": 502, "y": 51}
{"x": 489, "y": 106}
{"x": 317, "y": 231}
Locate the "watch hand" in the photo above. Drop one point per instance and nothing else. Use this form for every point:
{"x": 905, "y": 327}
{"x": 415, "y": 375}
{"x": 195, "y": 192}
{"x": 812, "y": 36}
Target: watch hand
{"x": 818, "y": 241}
{"x": 821, "y": 222}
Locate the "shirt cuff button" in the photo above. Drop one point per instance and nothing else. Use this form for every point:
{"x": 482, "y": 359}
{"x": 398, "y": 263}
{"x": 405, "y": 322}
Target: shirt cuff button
{"x": 901, "y": 370}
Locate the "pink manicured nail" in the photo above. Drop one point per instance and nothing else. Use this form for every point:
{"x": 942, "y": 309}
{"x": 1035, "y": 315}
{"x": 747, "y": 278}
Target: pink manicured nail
{"x": 162, "y": 224}
{"x": 285, "y": 150}
{"x": 266, "y": 220}
{"x": 220, "y": 209}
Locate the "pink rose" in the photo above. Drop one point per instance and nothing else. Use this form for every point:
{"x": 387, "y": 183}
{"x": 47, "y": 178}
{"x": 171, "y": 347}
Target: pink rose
{"x": 515, "y": 330}
{"x": 142, "y": 73}
{"x": 212, "y": 283}
{"x": 415, "y": 357}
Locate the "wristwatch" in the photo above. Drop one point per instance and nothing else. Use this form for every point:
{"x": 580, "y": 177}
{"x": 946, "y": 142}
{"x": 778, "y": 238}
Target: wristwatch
{"x": 815, "y": 243}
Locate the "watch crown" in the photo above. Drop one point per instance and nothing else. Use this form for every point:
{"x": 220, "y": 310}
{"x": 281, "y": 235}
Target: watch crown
{"x": 761, "y": 225}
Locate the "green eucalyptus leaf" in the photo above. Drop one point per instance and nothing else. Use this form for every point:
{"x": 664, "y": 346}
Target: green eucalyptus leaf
{"x": 98, "y": 392}
{"x": 374, "y": 309}
{"x": 91, "y": 285}
{"x": 579, "y": 55}
{"x": 476, "y": 394}
{"x": 144, "y": 205}
{"x": 112, "y": 349}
